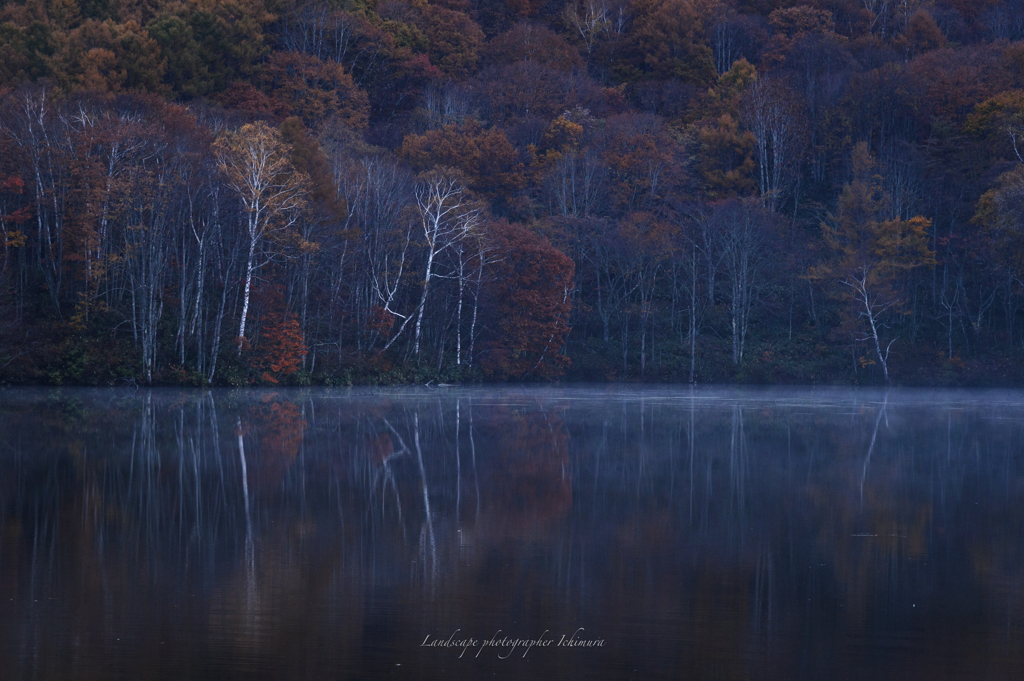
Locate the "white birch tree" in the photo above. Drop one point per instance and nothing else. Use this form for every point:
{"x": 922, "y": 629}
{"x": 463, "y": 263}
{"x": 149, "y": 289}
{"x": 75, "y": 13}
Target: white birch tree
{"x": 256, "y": 162}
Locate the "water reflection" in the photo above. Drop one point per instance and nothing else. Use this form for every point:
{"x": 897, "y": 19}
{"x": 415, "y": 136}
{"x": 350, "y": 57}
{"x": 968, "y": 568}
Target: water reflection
{"x": 700, "y": 534}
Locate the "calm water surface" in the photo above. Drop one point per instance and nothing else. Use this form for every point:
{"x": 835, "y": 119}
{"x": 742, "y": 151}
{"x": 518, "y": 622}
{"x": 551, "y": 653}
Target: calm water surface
{"x": 706, "y": 534}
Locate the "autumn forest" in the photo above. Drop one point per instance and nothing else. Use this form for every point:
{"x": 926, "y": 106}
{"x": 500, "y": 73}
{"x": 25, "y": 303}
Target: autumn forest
{"x": 337, "y": 192}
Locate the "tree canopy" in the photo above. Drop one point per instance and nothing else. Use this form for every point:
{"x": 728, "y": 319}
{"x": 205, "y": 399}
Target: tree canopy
{"x": 238, "y": 191}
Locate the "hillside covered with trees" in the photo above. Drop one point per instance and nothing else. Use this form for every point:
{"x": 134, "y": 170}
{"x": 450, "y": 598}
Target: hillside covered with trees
{"x": 242, "y": 192}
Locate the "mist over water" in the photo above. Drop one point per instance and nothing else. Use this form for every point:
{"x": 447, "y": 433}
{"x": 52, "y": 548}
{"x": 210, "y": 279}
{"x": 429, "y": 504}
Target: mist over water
{"x": 678, "y": 533}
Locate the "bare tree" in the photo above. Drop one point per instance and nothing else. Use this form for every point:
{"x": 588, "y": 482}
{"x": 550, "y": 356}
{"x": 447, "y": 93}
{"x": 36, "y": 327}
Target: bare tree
{"x": 872, "y": 308}
{"x": 729, "y": 35}
{"x": 35, "y": 129}
{"x": 590, "y": 20}
{"x": 576, "y": 183}
{"x": 744, "y": 231}
{"x": 772, "y": 112}
{"x": 379, "y": 193}
{"x": 446, "y": 104}
{"x": 315, "y": 29}
{"x": 447, "y": 218}
{"x": 700, "y": 248}
{"x": 474, "y": 252}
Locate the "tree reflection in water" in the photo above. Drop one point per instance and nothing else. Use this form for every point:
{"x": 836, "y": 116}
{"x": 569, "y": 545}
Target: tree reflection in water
{"x": 700, "y": 533}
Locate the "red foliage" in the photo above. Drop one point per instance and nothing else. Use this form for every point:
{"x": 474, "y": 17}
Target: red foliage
{"x": 279, "y": 425}
{"x": 532, "y": 42}
{"x": 530, "y": 289}
{"x": 11, "y": 213}
{"x": 14, "y": 187}
{"x": 950, "y": 82}
{"x": 524, "y": 489}
{"x": 246, "y": 99}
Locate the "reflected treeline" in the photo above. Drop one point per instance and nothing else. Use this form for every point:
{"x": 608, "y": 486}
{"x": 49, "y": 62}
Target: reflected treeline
{"x": 174, "y": 534}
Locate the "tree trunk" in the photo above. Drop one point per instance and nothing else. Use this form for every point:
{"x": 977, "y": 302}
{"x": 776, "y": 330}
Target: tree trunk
{"x": 245, "y": 294}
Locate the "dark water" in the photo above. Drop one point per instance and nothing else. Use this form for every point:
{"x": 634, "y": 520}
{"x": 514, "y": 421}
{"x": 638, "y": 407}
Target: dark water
{"x": 718, "y": 534}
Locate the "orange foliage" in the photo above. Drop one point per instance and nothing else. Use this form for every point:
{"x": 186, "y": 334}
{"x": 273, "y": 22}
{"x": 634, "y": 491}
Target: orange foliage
{"x": 726, "y": 160}
{"x": 666, "y": 40}
{"x": 489, "y": 163}
{"x": 112, "y": 57}
{"x": 532, "y": 42}
{"x": 789, "y": 25}
{"x": 922, "y": 34}
{"x": 314, "y": 90}
{"x": 308, "y": 158}
{"x": 281, "y": 348}
{"x": 454, "y": 40}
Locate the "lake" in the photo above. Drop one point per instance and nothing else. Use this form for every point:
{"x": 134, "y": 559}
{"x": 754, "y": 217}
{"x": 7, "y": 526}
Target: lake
{"x": 507, "y": 532}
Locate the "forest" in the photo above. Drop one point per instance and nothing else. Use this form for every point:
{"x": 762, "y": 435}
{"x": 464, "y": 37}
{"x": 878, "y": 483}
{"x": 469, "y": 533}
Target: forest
{"x": 338, "y": 192}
